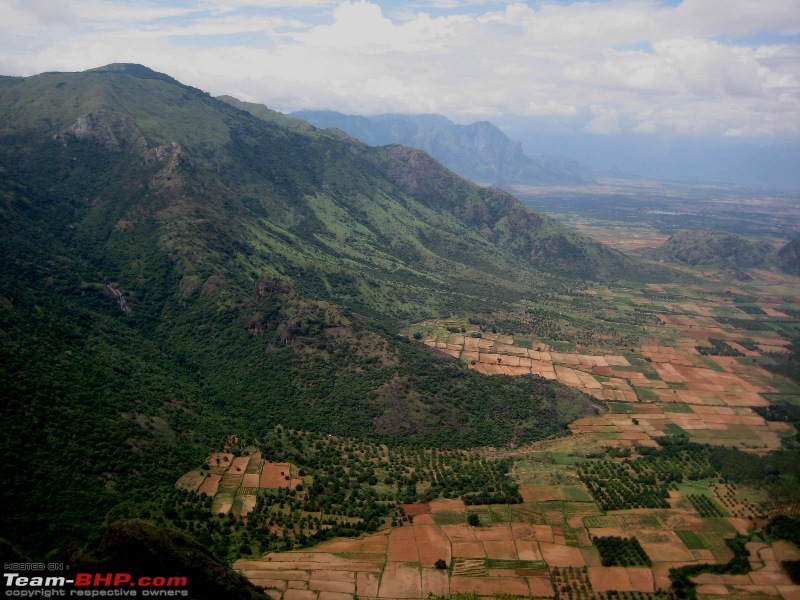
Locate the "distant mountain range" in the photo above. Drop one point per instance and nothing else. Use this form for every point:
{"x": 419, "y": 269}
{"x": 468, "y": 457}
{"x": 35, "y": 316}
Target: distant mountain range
{"x": 479, "y": 151}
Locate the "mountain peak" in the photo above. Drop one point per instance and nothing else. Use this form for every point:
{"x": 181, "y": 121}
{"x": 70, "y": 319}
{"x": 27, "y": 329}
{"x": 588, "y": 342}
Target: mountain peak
{"x": 134, "y": 70}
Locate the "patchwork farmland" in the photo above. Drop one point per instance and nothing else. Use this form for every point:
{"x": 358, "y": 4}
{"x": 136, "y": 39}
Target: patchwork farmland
{"x": 673, "y": 380}
{"x": 632, "y": 498}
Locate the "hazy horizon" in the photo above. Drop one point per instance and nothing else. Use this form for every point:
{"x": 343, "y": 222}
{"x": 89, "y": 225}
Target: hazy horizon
{"x": 612, "y": 84}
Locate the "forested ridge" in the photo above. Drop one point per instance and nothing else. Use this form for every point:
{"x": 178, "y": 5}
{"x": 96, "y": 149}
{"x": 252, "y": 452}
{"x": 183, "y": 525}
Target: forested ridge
{"x": 165, "y": 285}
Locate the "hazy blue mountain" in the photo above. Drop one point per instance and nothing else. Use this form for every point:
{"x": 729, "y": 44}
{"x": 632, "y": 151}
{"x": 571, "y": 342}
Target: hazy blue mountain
{"x": 670, "y": 157}
{"x": 479, "y": 151}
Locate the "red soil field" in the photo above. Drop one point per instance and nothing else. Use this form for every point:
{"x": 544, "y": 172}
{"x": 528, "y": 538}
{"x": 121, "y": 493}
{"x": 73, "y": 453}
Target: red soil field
{"x": 251, "y": 480}
{"x": 367, "y": 584}
{"x": 544, "y": 533}
{"x": 468, "y": 550}
{"x": 274, "y": 475}
{"x": 609, "y": 578}
{"x": 486, "y": 586}
{"x": 562, "y": 556}
{"x": 400, "y": 581}
{"x": 641, "y": 579}
{"x": 432, "y": 544}
{"x": 522, "y": 531}
{"x": 528, "y": 550}
{"x": 210, "y": 485}
{"x": 419, "y": 508}
{"x": 501, "y": 549}
{"x": 498, "y": 531}
{"x": 541, "y": 586}
{"x": 461, "y": 532}
{"x": 333, "y": 581}
{"x": 434, "y": 581}
{"x": 402, "y": 545}
{"x": 239, "y": 464}
{"x": 451, "y": 505}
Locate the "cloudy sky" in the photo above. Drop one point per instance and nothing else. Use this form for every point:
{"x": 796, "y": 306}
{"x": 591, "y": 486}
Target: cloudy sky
{"x": 711, "y": 68}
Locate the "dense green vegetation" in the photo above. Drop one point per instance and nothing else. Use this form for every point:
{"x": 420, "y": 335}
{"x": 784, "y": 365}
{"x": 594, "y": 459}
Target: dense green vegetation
{"x": 787, "y": 363}
{"x": 165, "y": 284}
{"x": 704, "y": 505}
{"x": 645, "y": 481}
{"x": 620, "y": 551}
{"x": 685, "y": 588}
{"x": 778, "y": 471}
{"x": 718, "y": 347}
{"x": 707, "y": 246}
{"x": 350, "y": 487}
{"x": 785, "y": 528}
{"x": 133, "y": 545}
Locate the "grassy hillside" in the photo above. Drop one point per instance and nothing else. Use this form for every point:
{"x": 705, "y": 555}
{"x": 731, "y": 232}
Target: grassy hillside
{"x": 789, "y": 257}
{"x": 166, "y": 284}
{"x": 710, "y": 247}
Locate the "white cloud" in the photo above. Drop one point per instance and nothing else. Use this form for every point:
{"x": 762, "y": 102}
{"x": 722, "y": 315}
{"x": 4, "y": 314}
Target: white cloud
{"x": 49, "y": 12}
{"x": 651, "y": 67}
{"x": 605, "y": 123}
{"x": 736, "y": 17}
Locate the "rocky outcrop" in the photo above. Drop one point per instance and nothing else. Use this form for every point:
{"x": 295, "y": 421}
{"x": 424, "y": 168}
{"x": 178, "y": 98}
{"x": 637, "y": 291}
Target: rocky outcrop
{"x": 112, "y": 130}
{"x": 174, "y": 161}
{"x": 114, "y": 293}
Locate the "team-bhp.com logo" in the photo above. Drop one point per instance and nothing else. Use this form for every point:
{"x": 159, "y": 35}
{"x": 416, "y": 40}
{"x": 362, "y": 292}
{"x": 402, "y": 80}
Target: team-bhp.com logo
{"x": 91, "y": 585}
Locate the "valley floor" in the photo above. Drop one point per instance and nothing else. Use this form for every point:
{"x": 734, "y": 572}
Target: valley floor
{"x": 541, "y": 548}
{"x": 675, "y": 384}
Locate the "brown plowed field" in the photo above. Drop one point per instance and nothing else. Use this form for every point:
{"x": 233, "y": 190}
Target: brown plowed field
{"x": 274, "y": 475}
{"x": 416, "y": 509}
{"x": 562, "y": 556}
{"x": 641, "y": 579}
{"x": 432, "y": 544}
{"x": 435, "y": 581}
{"x": 210, "y": 485}
{"x": 448, "y": 505}
{"x": 487, "y": 586}
{"x": 239, "y": 464}
{"x": 468, "y": 550}
{"x": 251, "y": 480}
{"x": 403, "y": 546}
{"x": 501, "y": 549}
{"x": 400, "y": 580}
{"x": 609, "y": 578}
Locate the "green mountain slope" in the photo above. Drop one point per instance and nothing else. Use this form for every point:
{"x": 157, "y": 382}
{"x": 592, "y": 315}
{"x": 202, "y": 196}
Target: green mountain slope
{"x": 176, "y": 269}
{"x": 789, "y": 256}
{"x": 710, "y": 247}
{"x": 133, "y": 545}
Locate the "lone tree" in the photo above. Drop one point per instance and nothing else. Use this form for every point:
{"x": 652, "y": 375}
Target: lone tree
{"x": 473, "y": 519}
{"x": 440, "y": 564}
